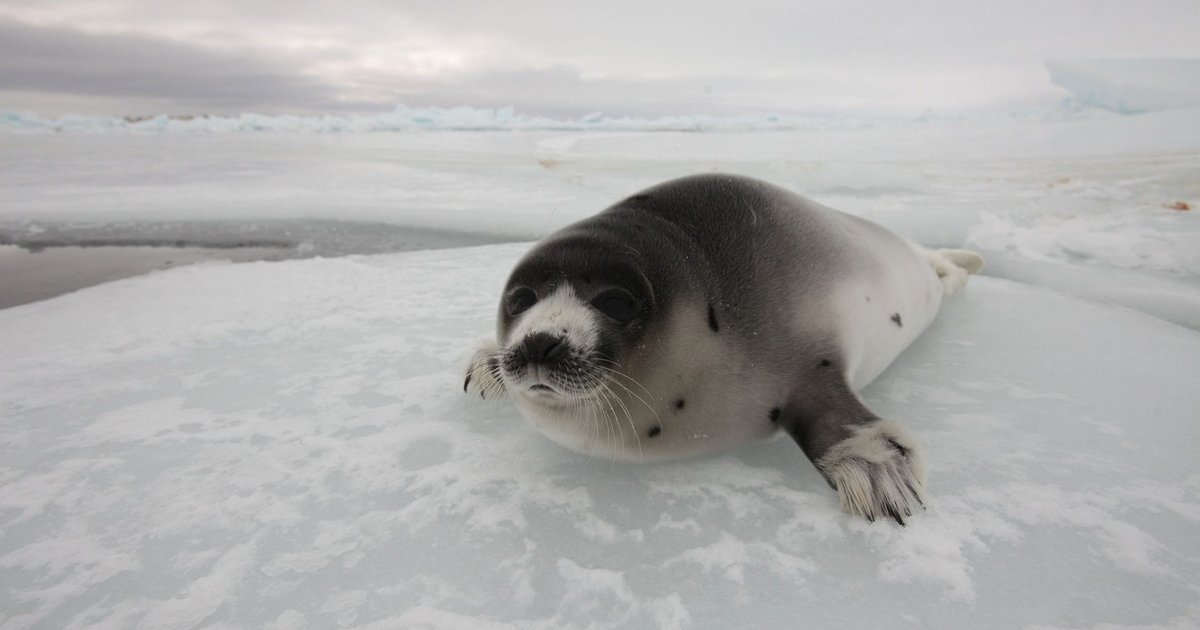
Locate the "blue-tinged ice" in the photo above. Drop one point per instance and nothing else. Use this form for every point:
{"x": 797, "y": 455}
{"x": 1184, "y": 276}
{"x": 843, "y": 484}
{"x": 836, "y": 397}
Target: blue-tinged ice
{"x": 1129, "y": 86}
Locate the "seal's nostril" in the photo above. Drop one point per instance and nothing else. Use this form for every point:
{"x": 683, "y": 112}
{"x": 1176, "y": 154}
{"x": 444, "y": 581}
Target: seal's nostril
{"x": 543, "y": 348}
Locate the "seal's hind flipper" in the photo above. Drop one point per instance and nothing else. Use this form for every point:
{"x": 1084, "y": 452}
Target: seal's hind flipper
{"x": 953, "y": 266}
{"x": 965, "y": 258}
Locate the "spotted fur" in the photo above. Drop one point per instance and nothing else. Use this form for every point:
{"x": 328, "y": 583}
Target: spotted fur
{"x": 757, "y": 311}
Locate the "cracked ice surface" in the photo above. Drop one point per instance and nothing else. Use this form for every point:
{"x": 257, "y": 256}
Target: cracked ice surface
{"x": 286, "y": 445}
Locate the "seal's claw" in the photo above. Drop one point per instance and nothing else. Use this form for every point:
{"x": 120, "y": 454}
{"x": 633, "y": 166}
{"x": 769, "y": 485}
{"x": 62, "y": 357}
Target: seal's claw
{"x": 878, "y": 471}
{"x": 483, "y": 373}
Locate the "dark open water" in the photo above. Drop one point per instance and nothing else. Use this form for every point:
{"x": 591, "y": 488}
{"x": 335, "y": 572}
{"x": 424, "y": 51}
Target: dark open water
{"x": 38, "y": 263}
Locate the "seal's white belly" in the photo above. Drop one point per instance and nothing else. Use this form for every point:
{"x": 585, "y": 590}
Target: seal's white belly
{"x": 883, "y": 313}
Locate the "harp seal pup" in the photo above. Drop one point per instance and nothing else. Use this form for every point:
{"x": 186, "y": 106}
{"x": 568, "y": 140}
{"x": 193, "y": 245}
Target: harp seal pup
{"x": 715, "y": 310}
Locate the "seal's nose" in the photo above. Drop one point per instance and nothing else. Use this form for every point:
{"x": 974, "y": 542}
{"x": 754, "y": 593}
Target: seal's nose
{"x": 543, "y": 348}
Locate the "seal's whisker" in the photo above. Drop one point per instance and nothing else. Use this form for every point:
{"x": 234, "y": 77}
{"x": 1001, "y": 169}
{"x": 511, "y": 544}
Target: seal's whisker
{"x": 628, "y": 416}
{"x": 629, "y": 413}
{"x": 595, "y": 422}
{"x": 631, "y": 392}
{"x": 620, "y": 370}
{"x": 604, "y": 394}
{"x": 584, "y": 404}
{"x": 610, "y": 396}
{"x": 578, "y": 415}
{"x": 597, "y": 409}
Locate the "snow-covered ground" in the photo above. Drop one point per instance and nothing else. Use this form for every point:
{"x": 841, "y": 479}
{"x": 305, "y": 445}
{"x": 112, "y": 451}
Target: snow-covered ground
{"x": 286, "y": 445}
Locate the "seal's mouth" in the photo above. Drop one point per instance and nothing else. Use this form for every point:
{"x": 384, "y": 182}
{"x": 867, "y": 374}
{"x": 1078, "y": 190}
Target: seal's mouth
{"x": 543, "y": 380}
{"x": 548, "y": 395}
{"x": 549, "y": 370}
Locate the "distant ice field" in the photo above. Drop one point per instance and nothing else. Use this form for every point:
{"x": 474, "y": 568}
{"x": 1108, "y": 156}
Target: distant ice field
{"x": 1085, "y": 206}
{"x": 1087, "y": 87}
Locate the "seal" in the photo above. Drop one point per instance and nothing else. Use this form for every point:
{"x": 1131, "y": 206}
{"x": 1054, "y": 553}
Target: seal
{"x": 716, "y": 310}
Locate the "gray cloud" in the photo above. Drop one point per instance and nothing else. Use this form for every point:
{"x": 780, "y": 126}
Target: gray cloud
{"x": 544, "y": 56}
{"x": 193, "y": 78}
{"x": 62, "y": 60}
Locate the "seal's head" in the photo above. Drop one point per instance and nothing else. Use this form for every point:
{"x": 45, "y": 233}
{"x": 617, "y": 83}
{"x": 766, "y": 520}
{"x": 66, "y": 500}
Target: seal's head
{"x": 570, "y": 314}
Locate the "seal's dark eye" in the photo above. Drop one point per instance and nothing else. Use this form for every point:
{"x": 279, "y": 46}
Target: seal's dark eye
{"x": 520, "y": 300}
{"x": 617, "y": 304}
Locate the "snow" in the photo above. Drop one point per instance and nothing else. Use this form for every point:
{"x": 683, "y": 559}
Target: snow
{"x": 287, "y": 445}
{"x": 269, "y": 442}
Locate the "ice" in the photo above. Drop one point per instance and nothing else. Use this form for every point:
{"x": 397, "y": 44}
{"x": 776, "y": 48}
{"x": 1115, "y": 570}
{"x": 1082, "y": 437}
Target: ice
{"x": 405, "y": 118}
{"x": 287, "y": 445}
{"x": 1129, "y": 85}
{"x": 1084, "y": 206}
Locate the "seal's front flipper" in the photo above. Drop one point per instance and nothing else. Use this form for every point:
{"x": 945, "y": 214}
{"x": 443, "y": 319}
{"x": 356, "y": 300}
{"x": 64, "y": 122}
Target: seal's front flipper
{"x": 877, "y": 469}
{"x": 482, "y": 376}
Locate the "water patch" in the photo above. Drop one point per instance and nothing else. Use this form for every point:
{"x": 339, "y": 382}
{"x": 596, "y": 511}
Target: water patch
{"x": 40, "y": 260}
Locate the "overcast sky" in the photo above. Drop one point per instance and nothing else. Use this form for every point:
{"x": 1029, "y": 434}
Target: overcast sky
{"x": 564, "y": 58}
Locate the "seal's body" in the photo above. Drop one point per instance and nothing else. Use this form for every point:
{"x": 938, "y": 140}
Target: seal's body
{"x": 715, "y": 310}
